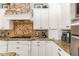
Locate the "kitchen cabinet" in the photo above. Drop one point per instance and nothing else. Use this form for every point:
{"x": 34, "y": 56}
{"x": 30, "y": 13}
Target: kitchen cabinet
{"x": 22, "y": 48}
{"x": 38, "y": 48}
{"x": 4, "y": 24}
{"x": 40, "y": 18}
{"x": 42, "y": 48}
{"x": 3, "y": 46}
{"x": 54, "y": 15}
{"x": 49, "y": 48}
{"x": 34, "y": 49}
{"x": 44, "y": 18}
{"x": 65, "y": 16}
{"x": 36, "y": 18}
{"x": 54, "y": 20}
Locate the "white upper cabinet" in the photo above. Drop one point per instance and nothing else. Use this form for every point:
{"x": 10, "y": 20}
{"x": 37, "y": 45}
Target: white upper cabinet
{"x": 44, "y": 18}
{"x": 65, "y": 16}
{"x": 36, "y": 18}
{"x": 54, "y": 15}
{"x": 4, "y": 23}
{"x": 40, "y": 18}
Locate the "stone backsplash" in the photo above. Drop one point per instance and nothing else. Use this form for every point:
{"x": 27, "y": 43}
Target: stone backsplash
{"x": 21, "y": 28}
{"x": 24, "y": 29}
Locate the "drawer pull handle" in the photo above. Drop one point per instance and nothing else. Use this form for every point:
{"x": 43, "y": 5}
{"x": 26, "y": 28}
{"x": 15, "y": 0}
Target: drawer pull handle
{"x": 17, "y": 47}
{"x": 38, "y": 45}
{"x": 18, "y": 42}
{"x": 59, "y": 49}
{"x": 59, "y": 54}
{"x": 38, "y": 42}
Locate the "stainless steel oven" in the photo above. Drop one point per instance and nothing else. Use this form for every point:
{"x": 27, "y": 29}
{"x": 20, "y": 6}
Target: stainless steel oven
{"x": 75, "y": 40}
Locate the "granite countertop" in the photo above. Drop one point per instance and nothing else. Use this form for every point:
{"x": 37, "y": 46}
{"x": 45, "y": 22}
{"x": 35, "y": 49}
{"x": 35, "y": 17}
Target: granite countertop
{"x": 23, "y": 39}
{"x": 65, "y": 46}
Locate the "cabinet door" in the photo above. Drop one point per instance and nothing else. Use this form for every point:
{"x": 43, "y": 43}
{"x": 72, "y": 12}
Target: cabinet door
{"x": 22, "y": 50}
{"x": 3, "y": 43}
{"x": 55, "y": 48}
{"x": 34, "y": 50}
{"x": 66, "y": 17}
{"x": 36, "y": 19}
{"x": 44, "y": 18}
{"x": 3, "y": 48}
{"x": 49, "y": 49}
{"x": 54, "y": 15}
{"x": 6, "y": 24}
{"x": 42, "y": 48}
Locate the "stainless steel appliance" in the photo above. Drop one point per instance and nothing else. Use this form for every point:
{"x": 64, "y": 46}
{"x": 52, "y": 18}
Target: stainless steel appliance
{"x": 75, "y": 40}
{"x": 66, "y": 36}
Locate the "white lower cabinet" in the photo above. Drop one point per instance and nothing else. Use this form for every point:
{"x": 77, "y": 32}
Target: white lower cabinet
{"x": 32, "y": 48}
{"x": 19, "y": 47}
{"x": 3, "y": 46}
{"x": 51, "y": 49}
{"x": 21, "y": 50}
{"x": 38, "y": 48}
{"x": 42, "y": 48}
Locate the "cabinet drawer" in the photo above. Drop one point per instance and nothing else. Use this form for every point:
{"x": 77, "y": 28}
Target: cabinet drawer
{"x": 14, "y": 48}
{"x": 3, "y": 42}
{"x": 3, "y": 48}
{"x": 18, "y": 42}
{"x": 18, "y": 53}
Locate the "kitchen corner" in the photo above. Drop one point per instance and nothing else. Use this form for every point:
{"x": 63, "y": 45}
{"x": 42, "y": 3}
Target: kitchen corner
{"x": 33, "y": 29}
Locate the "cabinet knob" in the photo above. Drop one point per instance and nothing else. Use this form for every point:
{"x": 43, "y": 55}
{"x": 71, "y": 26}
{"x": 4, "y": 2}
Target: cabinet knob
{"x": 38, "y": 42}
{"x": 18, "y": 42}
{"x": 38, "y": 45}
{"x": 40, "y": 27}
{"x": 67, "y": 26}
{"x": 17, "y": 47}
